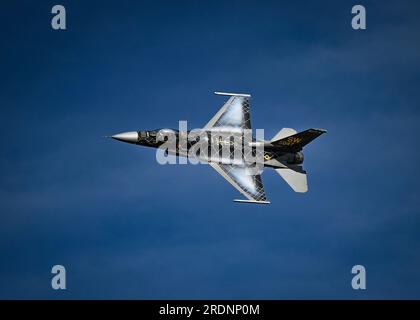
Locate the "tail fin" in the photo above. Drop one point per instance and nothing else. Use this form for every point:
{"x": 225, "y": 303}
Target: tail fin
{"x": 296, "y": 142}
{"x": 284, "y": 133}
{"x": 295, "y": 178}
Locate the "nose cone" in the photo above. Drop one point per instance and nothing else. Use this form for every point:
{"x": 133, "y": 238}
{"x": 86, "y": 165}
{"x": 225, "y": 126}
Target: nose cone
{"x": 130, "y": 137}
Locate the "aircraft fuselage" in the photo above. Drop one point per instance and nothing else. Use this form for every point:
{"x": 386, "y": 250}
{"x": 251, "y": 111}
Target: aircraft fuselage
{"x": 217, "y": 142}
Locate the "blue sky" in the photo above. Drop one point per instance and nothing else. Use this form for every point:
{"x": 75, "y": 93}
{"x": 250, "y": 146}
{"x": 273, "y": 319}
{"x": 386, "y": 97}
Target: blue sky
{"x": 127, "y": 228}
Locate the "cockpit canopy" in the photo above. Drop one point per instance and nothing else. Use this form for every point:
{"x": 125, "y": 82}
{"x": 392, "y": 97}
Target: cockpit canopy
{"x": 156, "y": 135}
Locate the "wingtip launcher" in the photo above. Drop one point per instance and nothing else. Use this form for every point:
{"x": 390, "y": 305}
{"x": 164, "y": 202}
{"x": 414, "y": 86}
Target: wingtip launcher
{"x": 245, "y": 95}
{"x": 251, "y": 201}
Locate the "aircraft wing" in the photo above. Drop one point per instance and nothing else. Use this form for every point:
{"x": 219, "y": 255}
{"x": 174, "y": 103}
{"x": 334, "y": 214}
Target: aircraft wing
{"x": 233, "y": 114}
{"x": 244, "y": 180}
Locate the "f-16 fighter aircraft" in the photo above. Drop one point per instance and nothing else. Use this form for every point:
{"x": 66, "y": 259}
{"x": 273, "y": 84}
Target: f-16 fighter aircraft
{"x": 226, "y": 143}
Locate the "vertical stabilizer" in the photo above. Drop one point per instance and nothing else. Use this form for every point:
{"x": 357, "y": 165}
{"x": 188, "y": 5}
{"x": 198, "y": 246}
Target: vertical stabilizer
{"x": 284, "y": 133}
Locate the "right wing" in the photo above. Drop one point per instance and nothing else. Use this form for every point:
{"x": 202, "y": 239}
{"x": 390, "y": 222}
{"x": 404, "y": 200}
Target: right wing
{"x": 244, "y": 180}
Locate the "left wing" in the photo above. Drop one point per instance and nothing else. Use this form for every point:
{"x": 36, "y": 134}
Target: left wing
{"x": 244, "y": 180}
{"x": 233, "y": 114}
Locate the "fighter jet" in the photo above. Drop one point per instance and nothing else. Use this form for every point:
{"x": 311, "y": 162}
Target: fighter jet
{"x": 283, "y": 152}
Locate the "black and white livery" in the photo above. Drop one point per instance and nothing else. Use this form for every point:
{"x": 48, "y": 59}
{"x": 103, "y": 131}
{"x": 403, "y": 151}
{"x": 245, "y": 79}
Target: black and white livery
{"x": 227, "y": 131}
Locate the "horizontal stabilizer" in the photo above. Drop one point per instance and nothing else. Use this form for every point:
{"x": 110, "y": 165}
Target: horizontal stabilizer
{"x": 295, "y": 179}
{"x": 297, "y": 141}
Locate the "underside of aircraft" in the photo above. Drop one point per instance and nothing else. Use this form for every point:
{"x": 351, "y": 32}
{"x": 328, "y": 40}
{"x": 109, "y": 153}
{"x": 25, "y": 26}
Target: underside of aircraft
{"x": 283, "y": 152}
